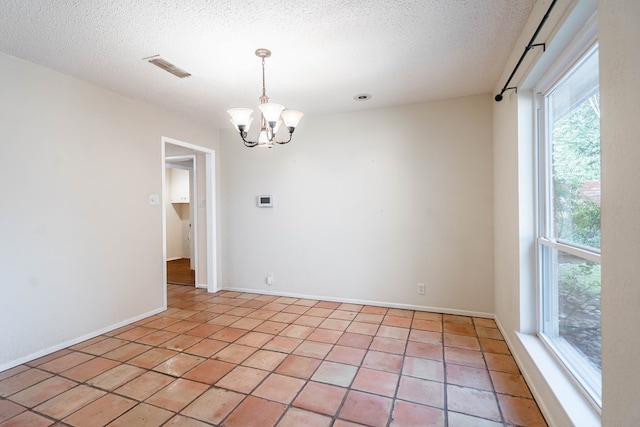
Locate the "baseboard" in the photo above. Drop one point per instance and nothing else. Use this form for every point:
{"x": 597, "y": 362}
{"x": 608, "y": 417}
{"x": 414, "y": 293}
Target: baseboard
{"x": 365, "y": 302}
{"x": 75, "y": 341}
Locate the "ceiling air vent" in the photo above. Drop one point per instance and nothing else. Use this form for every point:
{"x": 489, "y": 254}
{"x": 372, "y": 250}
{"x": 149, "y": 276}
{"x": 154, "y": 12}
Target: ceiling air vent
{"x": 167, "y": 66}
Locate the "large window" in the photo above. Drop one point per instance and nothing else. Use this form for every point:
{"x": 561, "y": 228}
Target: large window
{"x": 569, "y": 219}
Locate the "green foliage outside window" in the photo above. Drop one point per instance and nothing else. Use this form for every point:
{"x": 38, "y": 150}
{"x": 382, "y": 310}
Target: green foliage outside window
{"x": 576, "y": 166}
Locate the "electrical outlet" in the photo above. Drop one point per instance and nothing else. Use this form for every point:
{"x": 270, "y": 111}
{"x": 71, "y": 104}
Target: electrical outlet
{"x": 269, "y": 279}
{"x": 420, "y": 288}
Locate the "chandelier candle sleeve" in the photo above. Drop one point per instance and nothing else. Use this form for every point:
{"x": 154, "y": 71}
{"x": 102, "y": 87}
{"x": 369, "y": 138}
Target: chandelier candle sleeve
{"x": 271, "y": 117}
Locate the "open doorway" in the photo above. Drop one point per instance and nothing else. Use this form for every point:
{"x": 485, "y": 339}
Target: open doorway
{"x": 200, "y": 237}
{"x": 181, "y": 219}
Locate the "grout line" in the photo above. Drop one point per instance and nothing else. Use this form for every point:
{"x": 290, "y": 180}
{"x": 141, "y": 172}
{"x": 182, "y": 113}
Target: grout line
{"x": 445, "y": 396}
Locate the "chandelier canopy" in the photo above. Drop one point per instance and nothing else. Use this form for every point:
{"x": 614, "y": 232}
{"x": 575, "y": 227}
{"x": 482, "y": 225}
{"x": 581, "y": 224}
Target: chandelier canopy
{"x": 271, "y": 116}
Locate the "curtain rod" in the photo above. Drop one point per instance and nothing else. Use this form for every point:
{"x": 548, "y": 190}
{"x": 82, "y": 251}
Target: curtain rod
{"x": 530, "y": 46}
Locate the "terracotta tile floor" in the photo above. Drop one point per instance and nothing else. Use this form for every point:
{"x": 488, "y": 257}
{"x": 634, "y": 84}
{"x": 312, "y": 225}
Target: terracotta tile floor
{"x": 237, "y": 359}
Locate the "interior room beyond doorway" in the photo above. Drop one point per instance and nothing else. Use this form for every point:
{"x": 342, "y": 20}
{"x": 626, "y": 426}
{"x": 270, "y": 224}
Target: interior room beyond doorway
{"x": 180, "y": 220}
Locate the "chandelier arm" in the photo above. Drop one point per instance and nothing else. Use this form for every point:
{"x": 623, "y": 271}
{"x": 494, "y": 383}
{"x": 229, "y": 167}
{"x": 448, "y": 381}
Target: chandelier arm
{"x": 287, "y": 141}
{"x": 249, "y": 144}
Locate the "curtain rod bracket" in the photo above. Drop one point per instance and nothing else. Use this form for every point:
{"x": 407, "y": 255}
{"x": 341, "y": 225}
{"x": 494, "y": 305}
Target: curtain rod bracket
{"x": 544, "y": 46}
{"x": 499, "y": 96}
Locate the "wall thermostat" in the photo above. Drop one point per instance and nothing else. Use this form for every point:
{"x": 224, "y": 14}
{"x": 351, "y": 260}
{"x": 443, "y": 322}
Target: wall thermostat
{"x": 265, "y": 201}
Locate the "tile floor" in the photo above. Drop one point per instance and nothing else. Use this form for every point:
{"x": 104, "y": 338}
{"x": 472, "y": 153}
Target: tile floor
{"x": 237, "y": 359}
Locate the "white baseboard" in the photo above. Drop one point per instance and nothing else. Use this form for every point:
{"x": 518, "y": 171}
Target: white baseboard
{"x": 442, "y": 310}
{"x": 77, "y": 340}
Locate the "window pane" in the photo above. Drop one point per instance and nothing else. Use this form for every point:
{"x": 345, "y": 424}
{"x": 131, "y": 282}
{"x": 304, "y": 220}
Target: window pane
{"x": 572, "y": 313}
{"x": 574, "y": 107}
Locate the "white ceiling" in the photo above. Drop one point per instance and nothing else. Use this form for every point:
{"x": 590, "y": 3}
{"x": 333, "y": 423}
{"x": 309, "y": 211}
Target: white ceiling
{"x": 324, "y": 51}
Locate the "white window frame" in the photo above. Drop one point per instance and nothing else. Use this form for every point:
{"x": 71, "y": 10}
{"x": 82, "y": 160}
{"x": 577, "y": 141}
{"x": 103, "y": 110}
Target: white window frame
{"x": 587, "y": 380}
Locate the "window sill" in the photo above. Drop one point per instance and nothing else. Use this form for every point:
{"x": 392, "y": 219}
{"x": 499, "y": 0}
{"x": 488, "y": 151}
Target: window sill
{"x": 576, "y": 405}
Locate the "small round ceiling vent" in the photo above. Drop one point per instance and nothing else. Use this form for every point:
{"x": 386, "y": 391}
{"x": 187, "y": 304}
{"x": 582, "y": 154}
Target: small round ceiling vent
{"x": 362, "y": 97}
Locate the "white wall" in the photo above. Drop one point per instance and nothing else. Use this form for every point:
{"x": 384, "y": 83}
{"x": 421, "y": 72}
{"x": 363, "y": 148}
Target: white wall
{"x": 620, "y": 92}
{"x": 81, "y": 247}
{"x": 367, "y": 205}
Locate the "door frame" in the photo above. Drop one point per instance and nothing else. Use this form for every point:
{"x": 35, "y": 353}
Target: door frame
{"x": 210, "y": 212}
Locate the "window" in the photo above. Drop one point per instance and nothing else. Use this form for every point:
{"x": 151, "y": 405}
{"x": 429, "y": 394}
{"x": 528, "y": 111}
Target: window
{"x": 569, "y": 219}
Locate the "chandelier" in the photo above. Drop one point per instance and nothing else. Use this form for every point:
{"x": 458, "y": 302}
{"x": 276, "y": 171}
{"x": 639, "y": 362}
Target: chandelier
{"x": 271, "y": 117}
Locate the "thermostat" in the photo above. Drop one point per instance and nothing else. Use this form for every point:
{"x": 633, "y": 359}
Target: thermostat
{"x": 265, "y": 201}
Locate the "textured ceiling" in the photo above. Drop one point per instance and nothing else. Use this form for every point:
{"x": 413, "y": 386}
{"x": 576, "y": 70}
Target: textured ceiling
{"x": 324, "y": 52}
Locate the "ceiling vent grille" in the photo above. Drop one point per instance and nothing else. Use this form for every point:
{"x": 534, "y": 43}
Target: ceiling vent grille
{"x": 168, "y": 66}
